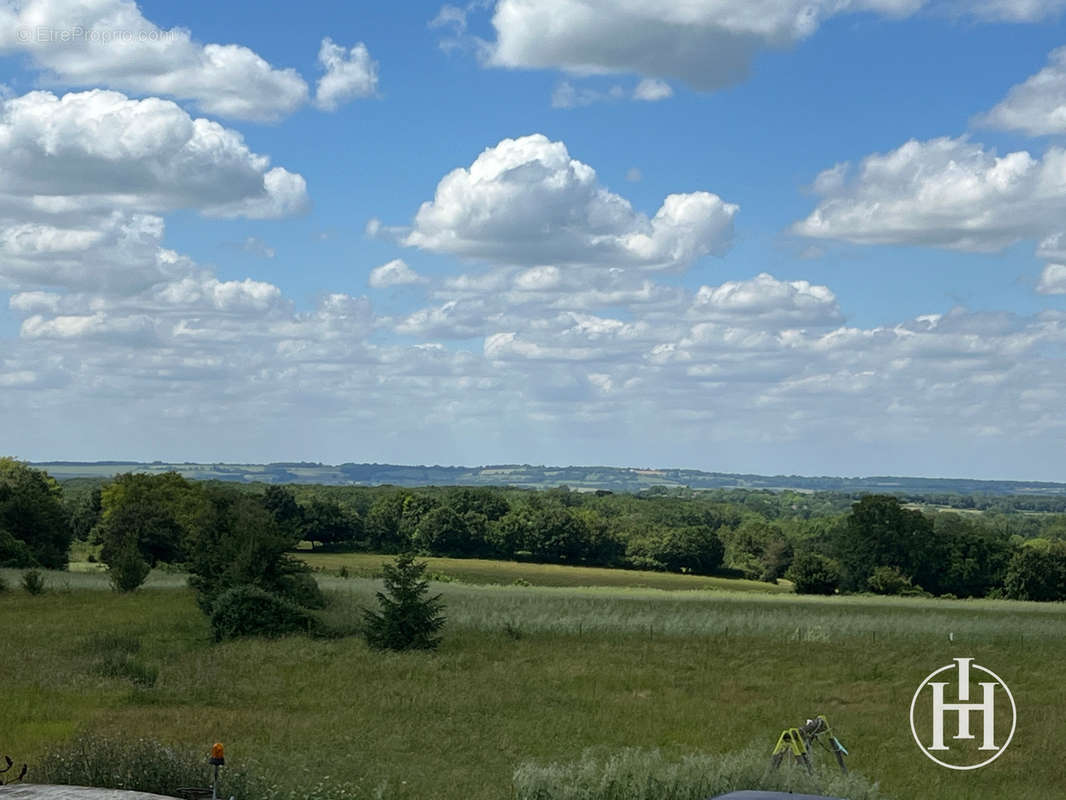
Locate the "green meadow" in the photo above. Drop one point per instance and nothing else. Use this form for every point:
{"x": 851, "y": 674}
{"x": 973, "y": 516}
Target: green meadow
{"x": 526, "y": 674}
{"x": 488, "y": 571}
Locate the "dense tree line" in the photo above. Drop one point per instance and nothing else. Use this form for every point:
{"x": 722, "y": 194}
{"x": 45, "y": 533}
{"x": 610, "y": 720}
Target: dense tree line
{"x": 229, "y": 534}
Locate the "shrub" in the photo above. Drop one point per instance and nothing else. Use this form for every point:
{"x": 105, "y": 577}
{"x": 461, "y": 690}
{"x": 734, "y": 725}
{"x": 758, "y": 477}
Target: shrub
{"x": 33, "y": 581}
{"x": 3, "y": 585}
{"x": 408, "y": 619}
{"x": 888, "y": 580}
{"x": 302, "y": 589}
{"x": 814, "y": 574}
{"x": 635, "y": 774}
{"x": 250, "y": 611}
{"x": 127, "y": 570}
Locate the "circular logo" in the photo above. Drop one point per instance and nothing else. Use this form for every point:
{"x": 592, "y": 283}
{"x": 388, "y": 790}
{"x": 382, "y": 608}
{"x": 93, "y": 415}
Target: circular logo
{"x": 968, "y": 708}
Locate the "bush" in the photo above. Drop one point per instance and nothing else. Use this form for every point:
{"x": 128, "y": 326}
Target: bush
{"x": 408, "y": 619}
{"x": 302, "y": 589}
{"x": 127, "y": 570}
{"x": 635, "y": 774}
{"x": 250, "y": 611}
{"x": 33, "y": 581}
{"x": 814, "y": 574}
{"x": 3, "y": 585}
{"x": 888, "y": 580}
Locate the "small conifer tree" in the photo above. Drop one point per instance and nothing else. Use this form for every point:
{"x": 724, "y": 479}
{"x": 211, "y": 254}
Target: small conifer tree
{"x": 408, "y": 619}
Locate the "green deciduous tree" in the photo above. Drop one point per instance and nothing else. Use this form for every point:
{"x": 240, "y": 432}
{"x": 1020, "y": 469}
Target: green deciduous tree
{"x": 34, "y": 530}
{"x": 814, "y": 574}
{"x": 1037, "y": 571}
{"x": 383, "y": 520}
{"x": 84, "y": 513}
{"x": 287, "y": 513}
{"x": 443, "y": 531}
{"x": 328, "y": 523}
{"x": 879, "y": 532}
{"x": 138, "y": 524}
{"x": 243, "y": 545}
{"x": 692, "y": 548}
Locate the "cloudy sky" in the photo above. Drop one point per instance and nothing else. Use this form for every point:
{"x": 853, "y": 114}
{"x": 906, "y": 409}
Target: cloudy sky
{"x": 776, "y": 236}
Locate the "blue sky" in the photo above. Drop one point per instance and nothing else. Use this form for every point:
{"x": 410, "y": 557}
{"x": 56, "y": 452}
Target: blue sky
{"x": 825, "y": 241}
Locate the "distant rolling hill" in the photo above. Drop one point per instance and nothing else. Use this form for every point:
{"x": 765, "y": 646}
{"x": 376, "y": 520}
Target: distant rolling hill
{"x": 618, "y": 479}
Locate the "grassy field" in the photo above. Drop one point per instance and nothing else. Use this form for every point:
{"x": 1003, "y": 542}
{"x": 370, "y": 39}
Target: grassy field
{"x": 485, "y": 571}
{"x": 532, "y": 673}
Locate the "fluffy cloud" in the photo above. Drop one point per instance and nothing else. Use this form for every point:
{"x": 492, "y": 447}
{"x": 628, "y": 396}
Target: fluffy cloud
{"x": 764, "y": 301}
{"x": 349, "y": 75}
{"x": 119, "y": 252}
{"x": 100, "y": 150}
{"x": 652, "y": 90}
{"x": 706, "y": 43}
{"x": 110, "y": 43}
{"x": 527, "y": 202}
{"x": 84, "y": 177}
{"x": 944, "y": 192}
{"x": 1037, "y": 106}
{"x": 745, "y": 362}
{"x": 394, "y": 273}
{"x": 1052, "y": 279}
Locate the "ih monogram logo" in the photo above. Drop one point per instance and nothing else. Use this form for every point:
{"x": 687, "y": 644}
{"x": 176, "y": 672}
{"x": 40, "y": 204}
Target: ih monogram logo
{"x": 983, "y": 712}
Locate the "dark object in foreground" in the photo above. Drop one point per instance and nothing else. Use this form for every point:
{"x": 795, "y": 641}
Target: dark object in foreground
{"x": 9, "y": 763}
{"x": 798, "y": 741}
{"x": 772, "y": 796}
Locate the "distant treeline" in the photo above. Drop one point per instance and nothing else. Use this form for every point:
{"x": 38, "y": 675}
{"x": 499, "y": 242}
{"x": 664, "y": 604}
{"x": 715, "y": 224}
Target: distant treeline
{"x": 617, "y": 479}
{"x": 821, "y": 540}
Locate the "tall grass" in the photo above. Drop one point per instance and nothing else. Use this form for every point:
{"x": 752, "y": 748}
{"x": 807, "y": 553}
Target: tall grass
{"x": 491, "y": 571}
{"x": 146, "y": 765}
{"x": 639, "y": 774}
{"x": 529, "y": 676}
{"x": 652, "y": 613}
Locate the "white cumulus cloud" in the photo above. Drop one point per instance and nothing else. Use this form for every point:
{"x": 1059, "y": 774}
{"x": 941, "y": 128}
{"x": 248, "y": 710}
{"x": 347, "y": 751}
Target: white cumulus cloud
{"x": 1038, "y": 105}
{"x": 84, "y": 179}
{"x": 349, "y": 74}
{"x": 1053, "y": 279}
{"x": 110, "y": 43}
{"x": 394, "y": 273}
{"x": 950, "y": 193}
{"x": 652, "y": 89}
{"x": 527, "y": 202}
{"x": 708, "y": 44}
